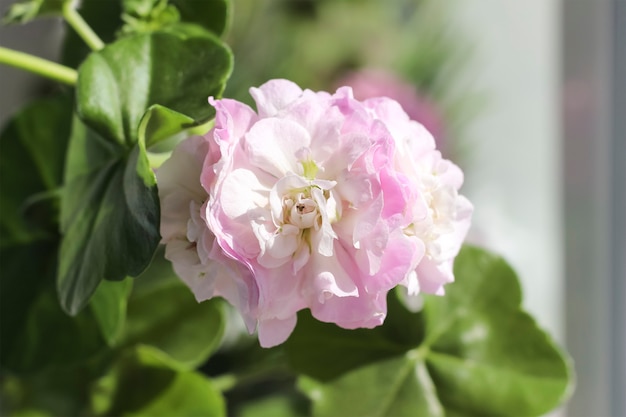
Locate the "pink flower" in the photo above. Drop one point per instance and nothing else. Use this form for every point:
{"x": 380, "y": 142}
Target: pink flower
{"x": 314, "y": 201}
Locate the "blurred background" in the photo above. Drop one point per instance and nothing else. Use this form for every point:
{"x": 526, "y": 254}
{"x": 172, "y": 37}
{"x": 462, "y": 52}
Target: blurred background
{"x": 529, "y": 98}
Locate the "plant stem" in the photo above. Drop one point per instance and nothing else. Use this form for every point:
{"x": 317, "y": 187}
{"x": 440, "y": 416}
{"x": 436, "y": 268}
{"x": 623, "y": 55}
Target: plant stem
{"x": 39, "y": 66}
{"x": 81, "y": 27}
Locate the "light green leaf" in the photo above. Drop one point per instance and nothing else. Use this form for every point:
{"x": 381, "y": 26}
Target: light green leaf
{"x": 487, "y": 356}
{"x": 109, "y": 308}
{"x": 26, "y": 10}
{"x": 143, "y": 383}
{"x": 160, "y": 123}
{"x": 395, "y": 387}
{"x": 280, "y": 405}
{"x": 163, "y": 313}
{"x": 475, "y": 353}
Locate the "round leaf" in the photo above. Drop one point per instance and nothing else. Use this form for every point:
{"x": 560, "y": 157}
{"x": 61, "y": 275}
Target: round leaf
{"x": 395, "y": 387}
{"x": 480, "y": 351}
{"x": 486, "y": 355}
{"x": 119, "y": 83}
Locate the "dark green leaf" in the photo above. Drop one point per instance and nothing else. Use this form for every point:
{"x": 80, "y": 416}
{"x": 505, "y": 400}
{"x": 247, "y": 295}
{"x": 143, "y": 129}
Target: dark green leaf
{"x": 163, "y": 313}
{"x": 21, "y": 281}
{"x": 109, "y": 209}
{"x": 58, "y": 391}
{"x": 31, "y": 164}
{"x": 110, "y": 214}
{"x": 39, "y": 334}
{"x": 26, "y": 10}
{"x": 213, "y": 15}
{"x": 109, "y": 308}
{"x": 481, "y": 352}
{"x": 144, "y": 383}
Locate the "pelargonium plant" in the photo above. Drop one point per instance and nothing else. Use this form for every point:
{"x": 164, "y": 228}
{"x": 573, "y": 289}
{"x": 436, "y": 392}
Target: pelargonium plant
{"x": 141, "y": 209}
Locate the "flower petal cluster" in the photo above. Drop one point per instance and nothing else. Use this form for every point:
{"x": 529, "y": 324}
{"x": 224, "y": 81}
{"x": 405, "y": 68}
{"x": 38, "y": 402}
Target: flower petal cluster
{"x": 314, "y": 201}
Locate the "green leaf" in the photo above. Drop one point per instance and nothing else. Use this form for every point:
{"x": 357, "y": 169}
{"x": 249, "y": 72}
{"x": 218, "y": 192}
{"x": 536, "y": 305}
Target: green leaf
{"x": 109, "y": 208}
{"x": 163, "y": 313}
{"x": 474, "y": 353}
{"x": 213, "y": 15}
{"x": 61, "y": 390}
{"x": 487, "y": 357}
{"x": 325, "y": 351}
{"x": 398, "y": 387}
{"x": 109, "y": 216}
{"x": 21, "y": 281}
{"x": 144, "y": 383}
{"x": 33, "y": 146}
{"x": 26, "y": 10}
{"x": 160, "y": 123}
{"x": 118, "y": 84}
{"x": 109, "y": 308}
{"x": 36, "y": 332}
{"x": 280, "y": 405}
{"x": 39, "y": 334}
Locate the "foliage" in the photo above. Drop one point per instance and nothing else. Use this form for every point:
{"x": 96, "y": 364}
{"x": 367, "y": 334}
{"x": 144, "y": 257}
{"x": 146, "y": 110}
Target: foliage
{"x": 79, "y": 234}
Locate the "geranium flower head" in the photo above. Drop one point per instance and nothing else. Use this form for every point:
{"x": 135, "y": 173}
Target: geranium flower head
{"x": 314, "y": 200}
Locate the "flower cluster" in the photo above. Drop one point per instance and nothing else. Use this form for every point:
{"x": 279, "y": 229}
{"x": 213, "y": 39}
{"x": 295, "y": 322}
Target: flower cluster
{"x": 314, "y": 201}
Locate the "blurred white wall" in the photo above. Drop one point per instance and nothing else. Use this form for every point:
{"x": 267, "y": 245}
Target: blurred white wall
{"x": 546, "y": 172}
{"x": 513, "y": 164}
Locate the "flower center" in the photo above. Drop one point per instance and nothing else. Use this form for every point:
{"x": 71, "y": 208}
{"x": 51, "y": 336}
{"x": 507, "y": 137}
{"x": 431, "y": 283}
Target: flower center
{"x": 301, "y": 210}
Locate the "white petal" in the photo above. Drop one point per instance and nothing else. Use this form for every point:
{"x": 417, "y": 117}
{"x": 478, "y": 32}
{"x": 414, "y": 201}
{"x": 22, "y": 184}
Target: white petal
{"x": 241, "y": 193}
{"x": 273, "y": 145}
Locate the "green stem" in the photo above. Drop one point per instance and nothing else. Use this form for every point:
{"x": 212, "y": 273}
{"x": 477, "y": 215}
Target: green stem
{"x": 39, "y": 66}
{"x": 81, "y": 27}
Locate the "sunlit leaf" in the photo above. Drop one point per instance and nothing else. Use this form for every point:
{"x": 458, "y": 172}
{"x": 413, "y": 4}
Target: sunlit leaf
{"x": 476, "y": 353}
